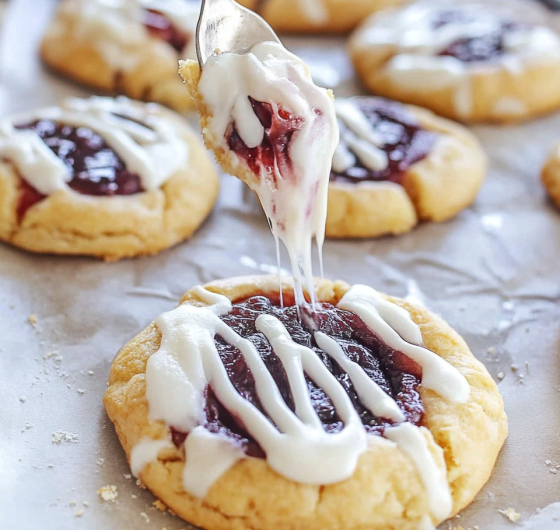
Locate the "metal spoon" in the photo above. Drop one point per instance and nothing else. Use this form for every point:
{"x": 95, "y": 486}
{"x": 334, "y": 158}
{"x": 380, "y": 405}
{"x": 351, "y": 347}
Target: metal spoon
{"x": 226, "y": 26}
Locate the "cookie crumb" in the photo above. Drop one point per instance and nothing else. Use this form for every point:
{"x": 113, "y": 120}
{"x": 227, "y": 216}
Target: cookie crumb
{"x": 108, "y": 493}
{"x": 127, "y": 476}
{"x": 159, "y": 505}
{"x": 91, "y": 372}
{"x": 79, "y": 513}
{"x": 139, "y": 484}
{"x": 511, "y": 515}
{"x": 61, "y": 437}
{"x": 32, "y": 319}
{"x": 501, "y": 375}
{"x": 491, "y": 350}
{"x": 81, "y": 392}
{"x": 514, "y": 367}
{"x": 72, "y": 503}
{"x": 85, "y": 503}
{"x": 144, "y": 515}
{"x": 23, "y": 399}
{"x": 100, "y": 461}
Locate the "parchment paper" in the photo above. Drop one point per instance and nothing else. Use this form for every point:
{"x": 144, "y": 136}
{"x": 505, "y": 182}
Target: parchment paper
{"x": 493, "y": 273}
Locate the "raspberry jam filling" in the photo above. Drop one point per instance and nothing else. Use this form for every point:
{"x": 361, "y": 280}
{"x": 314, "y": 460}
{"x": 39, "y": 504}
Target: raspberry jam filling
{"x": 160, "y": 27}
{"x": 394, "y": 372}
{"x": 475, "y": 49}
{"x": 404, "y": 141}
{"x": 97, "y": 169}
{"x": 279, "y": 127}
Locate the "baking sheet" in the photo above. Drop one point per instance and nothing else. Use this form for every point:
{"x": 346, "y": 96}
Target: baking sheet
{"x": 493, "y": 273}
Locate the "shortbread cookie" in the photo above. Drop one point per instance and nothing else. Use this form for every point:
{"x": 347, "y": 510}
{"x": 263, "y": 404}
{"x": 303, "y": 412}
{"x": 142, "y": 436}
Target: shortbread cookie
{"x": 551, "y": 174}
{"x": 130, "y": 47}
{"x": 469, "y": 62}
{"x": 102, "y": 177}
{"x": 313, "y": 16}
{"x": 273, "y": 128}
{"x": 238, "y": 416}
{"x": 397, "y": 165}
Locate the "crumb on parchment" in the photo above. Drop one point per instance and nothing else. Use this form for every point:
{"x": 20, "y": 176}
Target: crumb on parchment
{"x": 159, "y": 505}
{"x": 108, "y": 493}
{"x": 511, "y": 515}
{"x": 32, "y": 319}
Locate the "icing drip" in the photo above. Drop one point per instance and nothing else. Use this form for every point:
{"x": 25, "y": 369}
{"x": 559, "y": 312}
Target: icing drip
{"x": 379, "y": 140}
{"x": 148, "y": 144}
{"x": 295, "y": 442}
{"x": 272, "y": 110}
{"x": 116, "y": 27}
{"x": 438, "y": 47}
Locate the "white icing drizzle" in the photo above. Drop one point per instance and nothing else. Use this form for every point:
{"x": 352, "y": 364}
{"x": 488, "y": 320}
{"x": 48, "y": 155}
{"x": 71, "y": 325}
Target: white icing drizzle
{"x": 116, "y": 29}
{"x": 417, "y": 63}
{"x": 397, "y": 329}
{"x": 294, "y": 198}
{"x": 154, "y": 151}
{"x": 146, "y": 451}
{"x": 411, "y": 441}
{"x": 295, "y": 444}
{"x": 358, "y": 140}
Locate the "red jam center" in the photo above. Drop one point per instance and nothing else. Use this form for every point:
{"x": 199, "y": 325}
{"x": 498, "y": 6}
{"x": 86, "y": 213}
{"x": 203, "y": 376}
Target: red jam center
{"x": 404, "y": 141}
{"x": 160, "y": 27}
{"x": 395, "y": 373}
{"x": 96, "y": 169}
{"x": 279, "y": 128}
{"x": 474, "y": 49}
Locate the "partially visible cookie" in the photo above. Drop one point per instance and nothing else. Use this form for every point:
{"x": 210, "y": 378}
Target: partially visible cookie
{"x": 130, "y": 47}
{"x": 397, "y": 165}
{"x": 104, "y": 177}
{"x": 551, "y": 174}
{"x": 317, "y": 16}
{"x": 470, "y": 62}
{"x": 238, "y": 415}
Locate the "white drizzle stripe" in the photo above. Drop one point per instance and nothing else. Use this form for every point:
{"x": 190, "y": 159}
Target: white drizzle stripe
{"x": 116, "y": 29}
{"x": 369, "y": 392}
{"x": 299, "y": 448}
{"x": 417, "y": 64}
{"x": 146, "y": 451}
{"x": 437, "y": 374}
{"x": 154, "y": 151}
{"x": 33, "y": 159}
{"x": 358, "y": 138}
{"x": 208, "y": 457}
{"x": 296, "y": 202}
{"x": 411, "y": 440}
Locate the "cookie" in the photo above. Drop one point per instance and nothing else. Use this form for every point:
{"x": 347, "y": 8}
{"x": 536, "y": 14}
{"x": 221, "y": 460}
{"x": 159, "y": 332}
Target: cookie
{"x": 551, "y": 174}
{"x": 468, "y": 62}
{"x": 228, "y": 416}
{"x": 129, "y": 47}
{"x": 273, "y": 128}
{"x": 397, "y": 165}
{"x": 317, "y": 16}
{"x": 104, "y": 177}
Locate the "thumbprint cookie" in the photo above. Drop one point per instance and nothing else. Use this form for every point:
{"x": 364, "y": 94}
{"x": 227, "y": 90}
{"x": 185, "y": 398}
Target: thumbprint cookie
{"x": 110, "y": 178}
{"x": 469, "y": 62}
{"x": 397, "y": 165}
{"x": 240, "y": 412}
{"x": 129, "y": 47}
